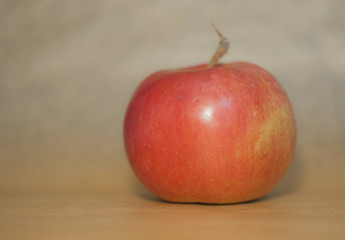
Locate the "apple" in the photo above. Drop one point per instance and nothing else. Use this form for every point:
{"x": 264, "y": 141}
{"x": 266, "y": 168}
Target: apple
{"x": 223, "y": 133}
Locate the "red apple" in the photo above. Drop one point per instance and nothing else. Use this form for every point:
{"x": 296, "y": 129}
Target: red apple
{"x": 224, "y": 134}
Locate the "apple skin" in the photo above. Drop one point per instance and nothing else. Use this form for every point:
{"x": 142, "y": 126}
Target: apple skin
{"x": 221, "y": 135}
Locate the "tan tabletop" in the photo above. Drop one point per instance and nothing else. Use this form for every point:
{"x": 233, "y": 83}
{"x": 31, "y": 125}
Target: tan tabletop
{"x": 128, "y": 211}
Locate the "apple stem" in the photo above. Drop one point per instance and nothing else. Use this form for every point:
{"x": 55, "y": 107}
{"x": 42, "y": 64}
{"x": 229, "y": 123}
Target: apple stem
{"x": 223, "y": 47}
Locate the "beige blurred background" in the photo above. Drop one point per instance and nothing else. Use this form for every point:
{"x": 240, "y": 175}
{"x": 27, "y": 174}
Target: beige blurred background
{"x": 68, "y": 69}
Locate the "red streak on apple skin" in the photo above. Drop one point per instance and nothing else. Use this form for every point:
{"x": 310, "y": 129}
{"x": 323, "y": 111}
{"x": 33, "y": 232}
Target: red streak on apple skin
{"x": 222, "y": 135}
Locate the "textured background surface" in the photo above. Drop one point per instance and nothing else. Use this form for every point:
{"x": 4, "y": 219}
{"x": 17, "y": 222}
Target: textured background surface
{"x": 68, "y": 69}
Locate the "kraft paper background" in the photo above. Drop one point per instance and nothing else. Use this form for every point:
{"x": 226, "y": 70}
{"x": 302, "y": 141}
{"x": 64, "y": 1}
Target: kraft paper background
{"x": 69, "y": 68}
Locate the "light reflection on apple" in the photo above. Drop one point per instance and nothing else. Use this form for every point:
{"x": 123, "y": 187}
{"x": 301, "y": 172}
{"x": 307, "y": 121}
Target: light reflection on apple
{"x": 207, "y": 114}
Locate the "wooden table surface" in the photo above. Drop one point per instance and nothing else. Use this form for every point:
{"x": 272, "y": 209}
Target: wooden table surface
{"x": 131, "y": 212}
